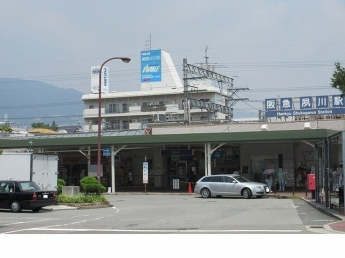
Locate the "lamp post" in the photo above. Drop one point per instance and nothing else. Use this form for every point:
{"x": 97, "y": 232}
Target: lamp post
{"x": 125, "y": 60}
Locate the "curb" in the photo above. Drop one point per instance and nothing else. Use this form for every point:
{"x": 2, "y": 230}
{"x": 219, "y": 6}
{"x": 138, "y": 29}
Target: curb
{"x": 58, "y": 207}
{"x": 323, "y": 210}
{"x": 328, "y": 228}
{"x": 76, "y": 206}
{"x": 329, "y": 213}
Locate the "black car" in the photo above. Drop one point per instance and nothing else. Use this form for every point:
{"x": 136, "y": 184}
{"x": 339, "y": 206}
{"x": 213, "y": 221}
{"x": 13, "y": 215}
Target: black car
{"x": 18, "y": 195}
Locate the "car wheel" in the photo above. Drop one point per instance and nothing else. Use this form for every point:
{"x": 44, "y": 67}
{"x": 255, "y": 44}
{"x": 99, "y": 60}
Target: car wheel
{"x": 247, "y": 194}
{"x": 36, "y": 209}
{"x": 205, "y": 193}
{"x": 16, "y": 207}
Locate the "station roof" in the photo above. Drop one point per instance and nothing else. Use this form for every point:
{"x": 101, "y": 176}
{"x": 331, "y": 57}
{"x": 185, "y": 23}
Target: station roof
{"x": 136, "y": 139}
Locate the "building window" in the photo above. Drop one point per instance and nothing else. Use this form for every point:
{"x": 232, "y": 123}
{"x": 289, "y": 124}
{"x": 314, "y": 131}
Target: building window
{"x": 147, "y": 120}
{"x": 112, "y": 125}
{"x": 116, "y": 124}
{"x": 125, "y": 124}
{"x": 147, "y": 103}
{"x": 91, "y": 106}
{"x": 164, "y": 102}
{"x": 125, "y": 107}
{"x": 113, "y": 108}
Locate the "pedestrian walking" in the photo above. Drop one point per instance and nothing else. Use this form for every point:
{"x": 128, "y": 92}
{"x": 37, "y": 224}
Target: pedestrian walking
{"x": 129, "y": 178}
{"x": 269, "y": 180}
{"x": 281, "y": 180}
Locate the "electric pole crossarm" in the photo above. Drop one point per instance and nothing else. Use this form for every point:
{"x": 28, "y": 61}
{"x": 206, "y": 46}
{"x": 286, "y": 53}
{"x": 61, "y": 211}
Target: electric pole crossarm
{"x": 234, "y": 101}
{"x": 207, "y": 74}
{"x": 213, "y": 107}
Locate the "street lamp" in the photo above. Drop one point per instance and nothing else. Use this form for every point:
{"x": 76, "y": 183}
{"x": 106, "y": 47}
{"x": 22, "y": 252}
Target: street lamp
{"x": 125, "y": 60}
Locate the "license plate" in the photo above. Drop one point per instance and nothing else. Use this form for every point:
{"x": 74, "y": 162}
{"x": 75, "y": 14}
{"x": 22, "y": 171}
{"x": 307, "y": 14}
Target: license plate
{"x": 45, "y": 195}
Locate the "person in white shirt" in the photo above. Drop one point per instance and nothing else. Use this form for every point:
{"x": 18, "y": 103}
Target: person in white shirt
{"x": 269, "y": 180}
{"x": 130, "y": 178}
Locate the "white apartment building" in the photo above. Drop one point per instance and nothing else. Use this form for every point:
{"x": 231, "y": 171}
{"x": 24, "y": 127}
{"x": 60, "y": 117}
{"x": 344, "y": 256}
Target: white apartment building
{"x": 160, "y": 100}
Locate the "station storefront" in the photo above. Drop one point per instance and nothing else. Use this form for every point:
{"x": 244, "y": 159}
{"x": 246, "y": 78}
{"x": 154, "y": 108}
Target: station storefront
{"x": 171, "y": 167}
{"x": 249, "y": 153}
{"x": 329, "y": 158}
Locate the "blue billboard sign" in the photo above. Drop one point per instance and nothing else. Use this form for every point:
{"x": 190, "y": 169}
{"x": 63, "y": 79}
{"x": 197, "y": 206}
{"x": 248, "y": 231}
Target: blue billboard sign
{"x": 151, "y": 66}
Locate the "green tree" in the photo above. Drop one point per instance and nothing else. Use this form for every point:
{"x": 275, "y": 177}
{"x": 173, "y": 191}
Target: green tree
{"x": 40, "y": 125}
{"x": 5, "y": 128}
{"x": 54, "y": 126}
{"x": 338, "y": 79}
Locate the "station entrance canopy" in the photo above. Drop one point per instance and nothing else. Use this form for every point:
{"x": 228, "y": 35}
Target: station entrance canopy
{"x": 305, "y": 106}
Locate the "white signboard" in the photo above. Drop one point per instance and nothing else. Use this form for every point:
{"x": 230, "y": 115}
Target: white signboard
{"x": 95, "y": 79}
{"x": 93, "y": 170}
{"x": 145, "y": 172}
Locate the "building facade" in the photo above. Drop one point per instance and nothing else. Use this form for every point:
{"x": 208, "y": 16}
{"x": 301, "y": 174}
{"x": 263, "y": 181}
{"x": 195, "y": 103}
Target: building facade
{"x": 163, "y": 98}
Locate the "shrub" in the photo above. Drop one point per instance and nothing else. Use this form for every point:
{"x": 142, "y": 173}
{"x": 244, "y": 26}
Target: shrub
{"x": 82, "y": 198}
{"x": 60, "y": 184}
{"x": 91, "y": 185}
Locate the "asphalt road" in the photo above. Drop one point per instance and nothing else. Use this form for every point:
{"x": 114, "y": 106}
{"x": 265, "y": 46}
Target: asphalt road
{"x": 171, "y": 214}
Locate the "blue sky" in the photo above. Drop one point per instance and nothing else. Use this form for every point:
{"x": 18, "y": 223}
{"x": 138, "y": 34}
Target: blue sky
{"x": 275, "y": 48}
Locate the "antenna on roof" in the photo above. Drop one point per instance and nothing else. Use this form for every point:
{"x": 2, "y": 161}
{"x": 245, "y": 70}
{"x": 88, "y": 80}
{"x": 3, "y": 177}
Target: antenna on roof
{"x": 148, "y": 44}
{"x": 206, "y": 57}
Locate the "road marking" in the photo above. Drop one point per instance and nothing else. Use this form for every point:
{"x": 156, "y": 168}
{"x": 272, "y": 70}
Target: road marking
{"x": 47, "y": 228}
{"x": 25, "y": 222}
{"x": 166, "y": 231}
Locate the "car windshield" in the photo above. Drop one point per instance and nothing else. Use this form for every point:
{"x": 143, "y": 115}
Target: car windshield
{"x": 241, "y": 179}
{"x": 29, "y": 186}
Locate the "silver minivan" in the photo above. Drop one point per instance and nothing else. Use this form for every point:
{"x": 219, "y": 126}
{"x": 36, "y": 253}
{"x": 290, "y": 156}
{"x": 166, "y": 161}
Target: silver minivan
{"x": 229, "y": 185}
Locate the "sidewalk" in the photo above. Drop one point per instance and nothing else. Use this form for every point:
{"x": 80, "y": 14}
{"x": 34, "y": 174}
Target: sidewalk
{"x": 338, "y": 213}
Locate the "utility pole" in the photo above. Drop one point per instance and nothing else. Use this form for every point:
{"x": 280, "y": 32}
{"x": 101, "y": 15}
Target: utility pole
{"x": 231, "y": 101}
{"x": 202, "y": 74}
{"x": 186, "y": 103}
{"x": 206, "y": 57}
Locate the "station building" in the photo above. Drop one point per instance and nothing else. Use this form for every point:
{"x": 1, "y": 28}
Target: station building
{"x": 186, "y": 130}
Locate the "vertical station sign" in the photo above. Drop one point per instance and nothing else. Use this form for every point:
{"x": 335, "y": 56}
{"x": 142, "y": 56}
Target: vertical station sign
{"x": 95, "y": 79}
{"x": 151, "y": 66}
{"x": 145, "y": 172}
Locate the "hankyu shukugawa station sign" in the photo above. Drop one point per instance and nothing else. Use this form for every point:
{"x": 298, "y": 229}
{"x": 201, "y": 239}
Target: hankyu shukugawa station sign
{"x": 305, "y": 106}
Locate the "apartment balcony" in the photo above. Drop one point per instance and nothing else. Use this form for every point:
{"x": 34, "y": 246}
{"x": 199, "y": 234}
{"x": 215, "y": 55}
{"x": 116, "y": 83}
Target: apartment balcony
{"x": 143, "y": 110}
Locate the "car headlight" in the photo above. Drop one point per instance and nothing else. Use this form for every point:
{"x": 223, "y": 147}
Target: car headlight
{"x": 257, "y": 186}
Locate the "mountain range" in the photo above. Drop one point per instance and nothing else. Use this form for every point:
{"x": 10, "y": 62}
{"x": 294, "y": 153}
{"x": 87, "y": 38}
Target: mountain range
{"x": 23, "y": 102}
